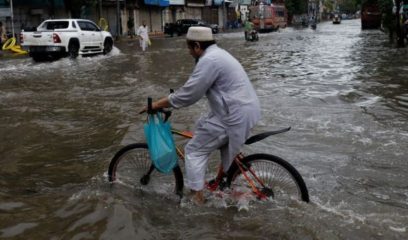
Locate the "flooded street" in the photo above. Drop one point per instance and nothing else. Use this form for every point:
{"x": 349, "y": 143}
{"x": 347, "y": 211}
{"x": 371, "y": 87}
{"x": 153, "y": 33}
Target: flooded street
{"x": 343, "y": 91}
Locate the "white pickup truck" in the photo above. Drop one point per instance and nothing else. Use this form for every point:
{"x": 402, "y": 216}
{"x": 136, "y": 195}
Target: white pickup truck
{"x": 56, "y": 38}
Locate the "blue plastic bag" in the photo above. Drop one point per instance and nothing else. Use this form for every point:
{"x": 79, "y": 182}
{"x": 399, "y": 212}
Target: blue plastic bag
{"x": 160, "y": 142}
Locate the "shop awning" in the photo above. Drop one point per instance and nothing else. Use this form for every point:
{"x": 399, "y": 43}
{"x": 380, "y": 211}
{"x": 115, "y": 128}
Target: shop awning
{"x": 195, "y": 3}
{"x": 38, "y": 3}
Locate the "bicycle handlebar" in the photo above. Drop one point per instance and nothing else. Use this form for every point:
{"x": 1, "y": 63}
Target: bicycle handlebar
{"x": 150, "y": 110}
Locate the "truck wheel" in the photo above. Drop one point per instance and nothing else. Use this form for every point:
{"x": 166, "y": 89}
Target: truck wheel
{"x": 107, "y": 46}
{"x": 38, "y": 57}
{"x": 73, "y": 49}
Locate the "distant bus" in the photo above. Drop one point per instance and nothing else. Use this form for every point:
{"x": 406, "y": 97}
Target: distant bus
{"x": 268, "y": 18}
{"x": 370, "y": 15}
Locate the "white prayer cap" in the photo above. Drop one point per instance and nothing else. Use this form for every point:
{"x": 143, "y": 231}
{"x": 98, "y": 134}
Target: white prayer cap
{"x": 200, "y": 34}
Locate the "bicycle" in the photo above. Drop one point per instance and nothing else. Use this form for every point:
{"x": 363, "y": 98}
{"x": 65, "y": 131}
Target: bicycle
{"x": 265, "y": 175}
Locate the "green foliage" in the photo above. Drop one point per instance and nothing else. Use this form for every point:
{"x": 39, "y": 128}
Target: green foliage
{"x": 74, "y": 6}
{"x": 349, "y": 6}
{"x": 130, "y": 23}
{"x": 328, "y": 4}
{"x": 296, "y": 6}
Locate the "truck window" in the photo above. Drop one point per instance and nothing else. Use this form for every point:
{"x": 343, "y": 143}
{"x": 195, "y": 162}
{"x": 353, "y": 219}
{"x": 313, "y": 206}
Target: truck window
{"x": 55, "y": 25}
{"x": 83, "y": 26}
{"x": 93, "y": 27}
{"x": 280, "y": 13}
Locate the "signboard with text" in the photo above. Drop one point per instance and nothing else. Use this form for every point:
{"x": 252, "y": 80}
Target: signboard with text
{"x": 245, "y": 2}
{"x": 162, "y": 3}
{"x": 218, "y": 2}
{"x": 177, "y": 2}
{"x": 5, "y": 12}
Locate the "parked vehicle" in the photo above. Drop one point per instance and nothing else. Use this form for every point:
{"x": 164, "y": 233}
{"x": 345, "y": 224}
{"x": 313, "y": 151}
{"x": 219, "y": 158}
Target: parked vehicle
{"x": 181, "y": 26}
{"x": 336, "y": 19}
{"x": 268, "y": 18}
{"x": 370, "y": 15}
{"x": 66, "y": 37}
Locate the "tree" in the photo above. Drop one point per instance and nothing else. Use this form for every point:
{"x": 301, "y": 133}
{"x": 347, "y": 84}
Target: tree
{"x": 295, "y": 7}
{"x": 349, "y": 6}
{"x": 74, "y": 6}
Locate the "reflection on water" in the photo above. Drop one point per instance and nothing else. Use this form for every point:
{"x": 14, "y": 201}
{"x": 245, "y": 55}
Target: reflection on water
{"x": 343, "y": 91}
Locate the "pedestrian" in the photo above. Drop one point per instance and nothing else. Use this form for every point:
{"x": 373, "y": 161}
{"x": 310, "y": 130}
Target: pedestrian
{"x": 3, "y": 34}
{"x": 143, "y": 34}
{"x": 234, "y": 107}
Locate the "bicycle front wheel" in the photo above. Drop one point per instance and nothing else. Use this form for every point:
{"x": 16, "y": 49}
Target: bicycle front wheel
{"x": 132, "y": 166}
{"x": 281, "y": 180}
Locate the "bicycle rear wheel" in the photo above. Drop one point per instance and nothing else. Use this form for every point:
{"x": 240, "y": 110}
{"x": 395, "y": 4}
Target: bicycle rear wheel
{"x": 282, "y": 181}
{"x": 133, "y": 167}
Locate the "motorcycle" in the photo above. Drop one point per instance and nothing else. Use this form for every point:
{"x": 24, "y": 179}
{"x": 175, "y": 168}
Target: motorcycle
{"x": 251, "y": 35}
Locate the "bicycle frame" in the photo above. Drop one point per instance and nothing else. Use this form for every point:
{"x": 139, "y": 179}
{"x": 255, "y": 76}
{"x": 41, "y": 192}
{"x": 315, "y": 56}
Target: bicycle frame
{"x": 265, "y": 175}
{"x": 185, "y": 134}
{"x": 237, "y": 160}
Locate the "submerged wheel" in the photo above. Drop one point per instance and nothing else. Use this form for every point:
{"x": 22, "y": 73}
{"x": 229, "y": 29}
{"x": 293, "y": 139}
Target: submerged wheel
{"x": 73, "y": 49}
{"x": 282, "y": 181}
{"x": 107, "y": 46}
{"x": 38, "y": 57}
{"x": 131, "y": 164}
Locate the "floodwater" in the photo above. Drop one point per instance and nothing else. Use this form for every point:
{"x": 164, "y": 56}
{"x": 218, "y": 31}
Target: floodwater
{"x": 343, "y": 91}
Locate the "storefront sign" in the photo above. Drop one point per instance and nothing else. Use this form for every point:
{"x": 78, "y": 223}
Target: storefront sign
{"x": 5, "y": 12}
{"x": 177, "y": 2}
{"x": 218, "y": 2}
{"x": 195, "y": 3}
{"x": 245, "y": 2}
{"x": 161, "y": 3}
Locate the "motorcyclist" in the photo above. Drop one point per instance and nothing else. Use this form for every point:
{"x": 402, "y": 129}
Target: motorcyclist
{"x": 249, "y": 26}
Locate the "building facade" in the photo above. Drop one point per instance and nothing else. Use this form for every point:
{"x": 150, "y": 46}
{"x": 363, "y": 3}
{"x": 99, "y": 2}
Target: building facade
{"x": 118, "y": 13}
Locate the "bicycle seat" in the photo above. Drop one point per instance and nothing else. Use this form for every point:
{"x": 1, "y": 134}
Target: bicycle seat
{"x": 259, "y": 137}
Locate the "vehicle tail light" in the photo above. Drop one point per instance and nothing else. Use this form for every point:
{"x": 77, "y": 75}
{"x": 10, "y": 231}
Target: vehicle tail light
{"x": 56, "y": 38}
{"x": 21, "y": 38}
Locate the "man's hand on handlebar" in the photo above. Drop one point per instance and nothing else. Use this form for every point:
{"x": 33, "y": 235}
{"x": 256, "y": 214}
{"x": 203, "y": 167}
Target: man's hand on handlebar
{"x": 162, "y": 103}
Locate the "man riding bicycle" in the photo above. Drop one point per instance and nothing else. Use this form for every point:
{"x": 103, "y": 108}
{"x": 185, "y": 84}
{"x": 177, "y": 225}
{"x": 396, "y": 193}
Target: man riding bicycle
{"x": 234, "y": 107}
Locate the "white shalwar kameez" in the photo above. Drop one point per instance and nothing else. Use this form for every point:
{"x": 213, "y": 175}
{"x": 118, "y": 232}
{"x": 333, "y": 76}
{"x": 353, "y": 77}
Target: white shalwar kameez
{"x": 234, "y": 111}
{"x": 144, "y": 33}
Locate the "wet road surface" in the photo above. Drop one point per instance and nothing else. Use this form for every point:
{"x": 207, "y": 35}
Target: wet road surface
{"x": 343, "y": 91}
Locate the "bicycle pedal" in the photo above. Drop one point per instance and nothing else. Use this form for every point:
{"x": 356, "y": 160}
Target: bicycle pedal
{"x": 213, "y": 185}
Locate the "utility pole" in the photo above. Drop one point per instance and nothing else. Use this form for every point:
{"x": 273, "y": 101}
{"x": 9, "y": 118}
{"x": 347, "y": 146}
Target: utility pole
{"x": 224, "y": 17}
{"x": 100, "y": 9}
{"x": 12, "y": 17}
{"x": 117, "y": 19}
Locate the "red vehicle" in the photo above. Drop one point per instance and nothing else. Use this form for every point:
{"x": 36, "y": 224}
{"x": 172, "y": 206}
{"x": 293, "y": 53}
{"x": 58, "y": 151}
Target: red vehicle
{"x": 268, "y": 18}
{"x": 370, "y": 15}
